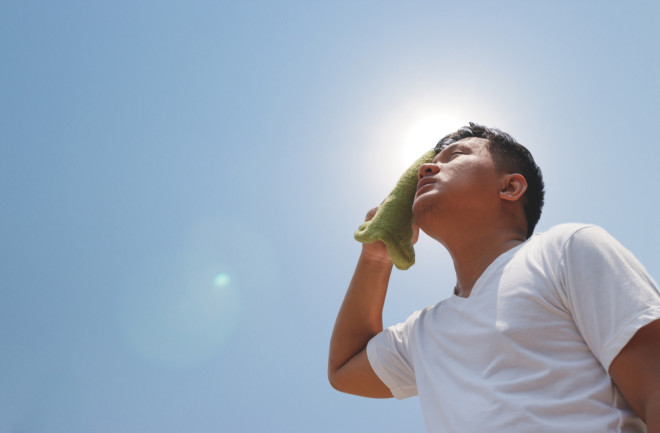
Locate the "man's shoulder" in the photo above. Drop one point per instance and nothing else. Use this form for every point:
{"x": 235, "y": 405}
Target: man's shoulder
{"x": 567, "y": 230}
{"x": 560, "y": 236}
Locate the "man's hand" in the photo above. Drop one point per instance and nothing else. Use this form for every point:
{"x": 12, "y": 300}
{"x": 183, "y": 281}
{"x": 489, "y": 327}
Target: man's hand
{"x": 377, "y": 250}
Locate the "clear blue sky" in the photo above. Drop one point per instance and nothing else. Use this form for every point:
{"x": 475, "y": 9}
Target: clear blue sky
{"x": 180, "y": 182}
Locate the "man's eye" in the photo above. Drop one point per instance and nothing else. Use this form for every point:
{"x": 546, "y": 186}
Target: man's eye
{"x": 455, "y": 153}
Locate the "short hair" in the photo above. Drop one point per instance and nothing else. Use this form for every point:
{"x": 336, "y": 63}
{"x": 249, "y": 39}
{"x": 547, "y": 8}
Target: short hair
{"x": 511, "y": 157}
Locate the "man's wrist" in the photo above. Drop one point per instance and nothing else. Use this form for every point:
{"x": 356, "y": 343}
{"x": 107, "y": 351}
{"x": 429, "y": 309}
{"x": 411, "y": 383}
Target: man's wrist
{"x": 375, "y": 260}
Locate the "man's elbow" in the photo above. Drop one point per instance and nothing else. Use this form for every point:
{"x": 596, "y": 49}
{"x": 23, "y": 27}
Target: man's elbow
{"x": 335, "y": 379}
{"x": 357, "y": 378}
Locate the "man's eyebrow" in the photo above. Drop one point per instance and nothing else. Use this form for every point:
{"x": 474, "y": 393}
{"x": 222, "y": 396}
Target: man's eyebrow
{"x": 451, "y": 146}
{"x": 448, "y": 147}
{"x": 442, "y": 144}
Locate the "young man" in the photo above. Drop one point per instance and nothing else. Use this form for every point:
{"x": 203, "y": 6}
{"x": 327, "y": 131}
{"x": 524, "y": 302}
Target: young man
{"x": 553, "y": 332}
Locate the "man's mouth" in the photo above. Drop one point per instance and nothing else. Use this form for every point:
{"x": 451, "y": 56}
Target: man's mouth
{"x": 423, "y": 183}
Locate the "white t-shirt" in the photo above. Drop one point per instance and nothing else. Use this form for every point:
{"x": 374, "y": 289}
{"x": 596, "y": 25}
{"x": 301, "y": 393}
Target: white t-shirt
{"x": 529, "y": 349}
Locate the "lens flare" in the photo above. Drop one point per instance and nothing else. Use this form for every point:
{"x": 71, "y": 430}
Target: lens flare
{"x": 221, "y": 280}
{"x": 182, "y": 311}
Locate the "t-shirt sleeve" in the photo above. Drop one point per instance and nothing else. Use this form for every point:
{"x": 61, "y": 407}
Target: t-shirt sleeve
{"x": 608, "y": 291}
{"x": 389, "y": 356}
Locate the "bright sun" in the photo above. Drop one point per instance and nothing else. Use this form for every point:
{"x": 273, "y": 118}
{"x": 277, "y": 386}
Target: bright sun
{"x": 425, "y": 134}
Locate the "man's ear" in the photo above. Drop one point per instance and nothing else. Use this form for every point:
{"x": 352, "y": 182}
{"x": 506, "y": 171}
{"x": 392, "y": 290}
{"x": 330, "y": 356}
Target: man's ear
{"x": 513, "y": 187}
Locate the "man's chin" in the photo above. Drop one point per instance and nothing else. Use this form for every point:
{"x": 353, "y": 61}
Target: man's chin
{"x": 420, "y": 206}
{"x": 424, "y": 210}
{"x": 418, "y": 210}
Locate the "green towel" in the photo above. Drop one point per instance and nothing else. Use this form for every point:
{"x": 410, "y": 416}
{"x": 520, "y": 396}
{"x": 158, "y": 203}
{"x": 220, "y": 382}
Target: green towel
{"x": 393, "y": 221}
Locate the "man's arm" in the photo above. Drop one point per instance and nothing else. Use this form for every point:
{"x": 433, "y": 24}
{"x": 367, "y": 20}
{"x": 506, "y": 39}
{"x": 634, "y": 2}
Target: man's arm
{"x": 358, "y": 320}
{"x": 636, "y": 372}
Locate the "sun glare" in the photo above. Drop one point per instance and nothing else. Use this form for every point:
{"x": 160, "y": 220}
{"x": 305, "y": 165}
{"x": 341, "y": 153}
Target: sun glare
{"x": 409, "y": 135}
{"x": 425, "y": 133}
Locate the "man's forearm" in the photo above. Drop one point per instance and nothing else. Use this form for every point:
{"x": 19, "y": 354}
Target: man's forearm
{"x": 360, "y": 315}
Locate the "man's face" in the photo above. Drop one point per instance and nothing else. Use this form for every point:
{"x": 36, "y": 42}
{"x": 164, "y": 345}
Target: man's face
{"x": 462, "y": 180}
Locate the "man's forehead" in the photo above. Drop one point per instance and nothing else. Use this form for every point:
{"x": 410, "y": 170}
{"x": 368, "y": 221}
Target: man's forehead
{"x": 447, "y": 142}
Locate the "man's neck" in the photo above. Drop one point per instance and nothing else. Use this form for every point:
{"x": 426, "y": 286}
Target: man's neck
{"x": 473, "y": 254}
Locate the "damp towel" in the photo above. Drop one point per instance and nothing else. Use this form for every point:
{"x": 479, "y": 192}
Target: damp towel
{"x": 393, "y": 221}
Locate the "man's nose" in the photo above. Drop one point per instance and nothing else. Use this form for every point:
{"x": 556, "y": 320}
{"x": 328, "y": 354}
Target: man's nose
{"x": 427, "y": 169}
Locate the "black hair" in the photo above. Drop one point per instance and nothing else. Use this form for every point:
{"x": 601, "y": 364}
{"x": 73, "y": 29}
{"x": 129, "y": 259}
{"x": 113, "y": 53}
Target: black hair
{"x": 511, "y": 157}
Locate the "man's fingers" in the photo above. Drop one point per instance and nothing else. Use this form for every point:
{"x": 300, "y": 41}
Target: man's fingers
{"x": 415, "y": 233}
{"x": 371, "y": 214}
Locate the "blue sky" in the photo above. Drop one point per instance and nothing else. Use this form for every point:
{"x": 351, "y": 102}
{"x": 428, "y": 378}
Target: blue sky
{"x": 180, "y": 182}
